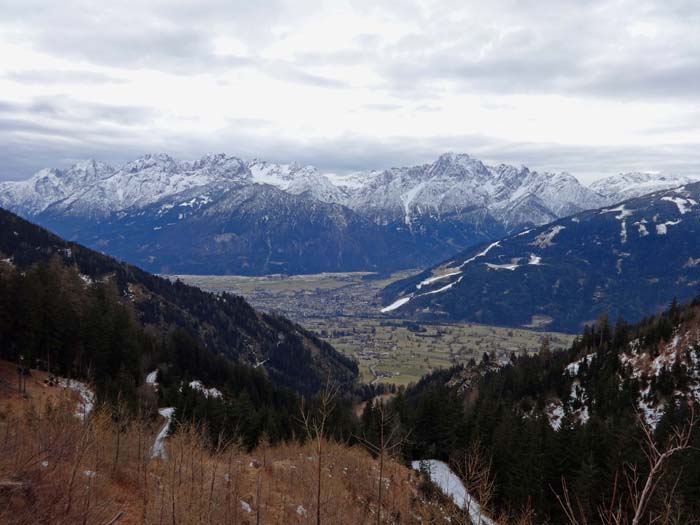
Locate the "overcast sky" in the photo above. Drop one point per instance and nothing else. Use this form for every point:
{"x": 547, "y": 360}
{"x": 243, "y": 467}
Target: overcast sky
{"x": 589, "y": 87}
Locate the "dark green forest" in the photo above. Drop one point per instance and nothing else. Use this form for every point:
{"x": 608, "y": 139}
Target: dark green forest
{"x": 502, "y": 414}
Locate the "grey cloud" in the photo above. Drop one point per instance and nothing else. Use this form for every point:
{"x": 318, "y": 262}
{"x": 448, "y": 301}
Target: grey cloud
{"x": 61, "y": 77}
{"x": 67, "y": 110}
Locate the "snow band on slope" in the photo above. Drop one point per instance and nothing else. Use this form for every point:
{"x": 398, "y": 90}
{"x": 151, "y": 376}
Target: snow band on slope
{"x": 158, "y": 450}
{"x": 403, "y": 300}
{"x": 450, "y": 484}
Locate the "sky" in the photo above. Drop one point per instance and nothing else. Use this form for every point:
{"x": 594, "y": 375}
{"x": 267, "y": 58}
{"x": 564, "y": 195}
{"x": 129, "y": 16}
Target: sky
{"x": 589, "y": 87}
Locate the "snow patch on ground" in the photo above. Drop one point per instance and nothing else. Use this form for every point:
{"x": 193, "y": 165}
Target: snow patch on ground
{"x": 684, "y": 205}
{"x": 435, "y": 278}
{"x": 544, "y": 240}
{"x": 535, "y": 260}
{"x": 573, "y": 368}
{"x": 407, "y": 198}
{"x": 443, "y": 289}
{"x": 662, "y": 229}
{"x": 480, "y": 254}
{"x": 152, "y": 378}
{"x": 208, "y": 392}
{"x": 158, "y": 450}
{"x": 396, "y": 304}
{"x": 451, "y": 485}
{"x": 511, "y": 266}
{"x": 87, "y": 398}
{"x": 555, "y": 414}
{"x": 246, "y": 507}
{"x": 643, "y": 232}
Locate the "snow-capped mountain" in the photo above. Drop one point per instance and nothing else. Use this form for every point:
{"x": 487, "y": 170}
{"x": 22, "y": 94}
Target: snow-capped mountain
{"x": 624, "y": 259}
{"x": 455, "y": 185}
{"x": 623, "y": 186}
{"x": 381, "y": 220}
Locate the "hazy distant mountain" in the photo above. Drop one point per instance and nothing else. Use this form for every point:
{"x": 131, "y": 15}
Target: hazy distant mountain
{"x": 626, "y": 259}
{"x": 625, "y": 186}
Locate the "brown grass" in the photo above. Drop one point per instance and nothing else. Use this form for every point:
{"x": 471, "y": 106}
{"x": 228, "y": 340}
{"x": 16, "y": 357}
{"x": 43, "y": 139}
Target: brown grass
{"x": 55, "y": 469}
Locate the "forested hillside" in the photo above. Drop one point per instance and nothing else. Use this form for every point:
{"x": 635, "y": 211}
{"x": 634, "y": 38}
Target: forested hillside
{"x": 572, "y": 421}
{"x": 223, "y": 324}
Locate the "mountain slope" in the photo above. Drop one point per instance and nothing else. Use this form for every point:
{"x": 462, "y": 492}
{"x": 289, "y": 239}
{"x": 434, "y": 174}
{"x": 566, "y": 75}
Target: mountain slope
{"x": 227, "y": 215}
{"x": 626, "y": 260}
{"x": 574, "y": 418}
{"x": 293, "y": 357}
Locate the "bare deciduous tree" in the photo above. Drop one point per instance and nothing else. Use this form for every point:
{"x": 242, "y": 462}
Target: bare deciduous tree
{"x": 314, "y": 423}
{"x": 389, "y": 441}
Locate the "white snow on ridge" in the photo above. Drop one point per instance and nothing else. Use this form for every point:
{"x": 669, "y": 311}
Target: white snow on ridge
{"x": 451, "y": 485}
{"x": 480, "y": 254}
{"x": 683, "y": 205}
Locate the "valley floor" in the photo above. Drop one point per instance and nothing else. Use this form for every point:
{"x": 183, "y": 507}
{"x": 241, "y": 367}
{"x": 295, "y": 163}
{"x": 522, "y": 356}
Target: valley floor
{"x": 343, "y": 308}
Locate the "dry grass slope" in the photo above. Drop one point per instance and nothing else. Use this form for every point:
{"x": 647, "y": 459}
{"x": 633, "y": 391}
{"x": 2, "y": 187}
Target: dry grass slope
{"x": 56, "y": 469}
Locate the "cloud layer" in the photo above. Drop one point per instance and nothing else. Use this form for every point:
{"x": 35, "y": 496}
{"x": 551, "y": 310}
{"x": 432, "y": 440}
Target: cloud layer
{"x": 588, "y": 87}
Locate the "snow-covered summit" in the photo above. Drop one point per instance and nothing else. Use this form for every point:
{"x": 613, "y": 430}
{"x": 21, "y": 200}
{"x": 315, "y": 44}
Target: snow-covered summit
{"x": 623, "y": 186}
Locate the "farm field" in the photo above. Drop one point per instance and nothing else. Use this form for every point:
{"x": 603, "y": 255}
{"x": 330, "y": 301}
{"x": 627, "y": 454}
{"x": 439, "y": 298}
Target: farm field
{"x": 343, "y": 308}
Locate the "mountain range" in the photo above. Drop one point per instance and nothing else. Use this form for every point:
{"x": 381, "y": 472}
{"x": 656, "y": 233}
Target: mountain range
{"x": 223, "y": 215}
{"x": 627, "y": 260}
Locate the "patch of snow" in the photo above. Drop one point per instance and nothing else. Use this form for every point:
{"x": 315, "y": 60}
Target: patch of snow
{"x": 535, "y": 260}
{"x": 652, "y": 414}
{"x": 443, "y": 289}
{"x": 480, "y": 254}
{"x": 152, "y": 379}
{"x": 573, "y": 368}
{"x": 555, "y": 414}
{"x": 396, "y": 304}
{"x": 158, "y": 450}
{"x": 544, "y": 239}
{"x": 208, "y": 392}
{"x": 511, "y": 266}
{"x": 451, "y": 485}
{"x": 301, "y": 511}
{"x": 643, "y": 232}
{"x": 683, "y": 205}
{"x": 87, "y": 398}
{"x": 246, "y": 507}
{"x": 407, "y": 198}
{"x": 662, "y": 229}
{"x": 431, "y": 280}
